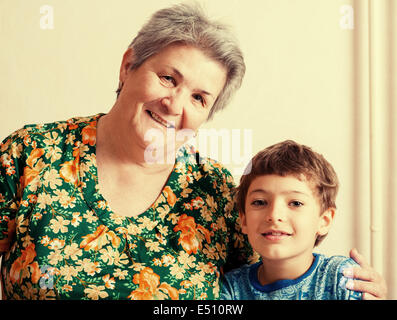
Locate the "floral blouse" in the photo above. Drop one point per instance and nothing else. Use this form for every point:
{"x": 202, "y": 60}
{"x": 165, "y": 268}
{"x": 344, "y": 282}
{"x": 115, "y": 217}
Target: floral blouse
{"x": 60, "y": 240}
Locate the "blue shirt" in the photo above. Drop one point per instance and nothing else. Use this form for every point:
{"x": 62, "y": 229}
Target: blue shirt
{"x": 323, "y": 281}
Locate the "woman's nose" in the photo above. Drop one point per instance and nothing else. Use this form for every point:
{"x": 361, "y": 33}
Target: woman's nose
{"x": 174, "y": 102}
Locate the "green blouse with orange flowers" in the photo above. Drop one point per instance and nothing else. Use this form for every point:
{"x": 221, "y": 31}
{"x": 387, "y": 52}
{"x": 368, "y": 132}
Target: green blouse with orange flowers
{"x": 60, "y": 240}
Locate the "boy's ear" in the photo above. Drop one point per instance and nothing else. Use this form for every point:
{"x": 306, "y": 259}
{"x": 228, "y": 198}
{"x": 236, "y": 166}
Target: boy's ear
{"x": 243, "y": 222}
{"x": 326, "y": 219}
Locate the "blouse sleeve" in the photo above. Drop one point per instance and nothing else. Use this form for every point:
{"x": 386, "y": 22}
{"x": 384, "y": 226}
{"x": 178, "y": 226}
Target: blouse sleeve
{"x": 10, "y": 173}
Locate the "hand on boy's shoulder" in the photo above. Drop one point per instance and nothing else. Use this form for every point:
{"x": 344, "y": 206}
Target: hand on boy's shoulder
{"x": 336, "y": 268}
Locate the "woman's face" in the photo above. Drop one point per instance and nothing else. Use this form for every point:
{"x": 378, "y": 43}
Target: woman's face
{"x": 170, "y": 92}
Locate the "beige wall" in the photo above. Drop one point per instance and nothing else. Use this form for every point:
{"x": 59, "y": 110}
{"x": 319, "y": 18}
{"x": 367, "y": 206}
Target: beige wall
{"x": 305, "y": 81}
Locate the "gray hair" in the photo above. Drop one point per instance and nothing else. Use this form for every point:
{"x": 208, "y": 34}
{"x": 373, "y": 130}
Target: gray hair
{"x": 188, "y": 24}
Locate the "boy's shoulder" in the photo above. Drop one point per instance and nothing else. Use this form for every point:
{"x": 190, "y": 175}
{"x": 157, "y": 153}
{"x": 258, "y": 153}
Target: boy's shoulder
{"x": 330, "y": 279}
{"x": 335, "y": 263}
{"x": 236, "y": 284}
{"x": 240, "y": 272}
{"x": 323, "y": 281}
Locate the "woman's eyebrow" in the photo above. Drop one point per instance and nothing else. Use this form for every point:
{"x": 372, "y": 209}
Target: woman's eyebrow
{"x": 176, "y": 71}
{"x": 180, "y": 75}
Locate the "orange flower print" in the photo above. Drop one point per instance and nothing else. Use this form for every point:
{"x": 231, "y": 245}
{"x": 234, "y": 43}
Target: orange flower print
{"x": 171, "y": 198}
{"x": 70, "y": 169}
{"x": 170, "y": 291}
{"x": 10, "y": 171}
{"x": 109, "y": 281}
{"x": 89, "y": 135}
{"x": 34, "y": 156}
{"x": 32, "y": 170}
{"x": 35, "y": 272}
{"x": 99, "y": 238}
{"x": 23, "y": 264}
{"x": 72, "y": 125}
{"x": 197, "y": 203}
{"x": 186, "y": 284}
{"x": 150, "y": 287}
{"x": 192, "y": 234}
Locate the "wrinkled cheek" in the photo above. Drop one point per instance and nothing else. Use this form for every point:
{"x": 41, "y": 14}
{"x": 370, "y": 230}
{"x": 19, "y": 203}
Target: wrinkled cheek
{"x": 193, "y": 119}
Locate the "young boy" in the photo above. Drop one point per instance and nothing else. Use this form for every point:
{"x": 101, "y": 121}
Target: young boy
{"x": 287, "y": 204}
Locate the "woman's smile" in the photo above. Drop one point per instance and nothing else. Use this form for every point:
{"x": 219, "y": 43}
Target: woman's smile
{"x": 160, "y": 120}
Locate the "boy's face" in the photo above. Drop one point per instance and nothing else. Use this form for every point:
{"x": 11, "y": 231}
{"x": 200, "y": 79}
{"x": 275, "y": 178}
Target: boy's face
{"x": 283, "y": 217}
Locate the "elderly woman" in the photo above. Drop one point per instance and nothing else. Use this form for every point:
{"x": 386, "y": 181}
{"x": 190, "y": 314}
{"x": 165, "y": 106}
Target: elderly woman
{"x": 85, "y": 215}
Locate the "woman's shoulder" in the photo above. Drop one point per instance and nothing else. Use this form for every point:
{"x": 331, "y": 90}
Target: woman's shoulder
{"x": 61, "y": 126}
{"x": 188, "y": 155}
{"x": 35, "y": 134}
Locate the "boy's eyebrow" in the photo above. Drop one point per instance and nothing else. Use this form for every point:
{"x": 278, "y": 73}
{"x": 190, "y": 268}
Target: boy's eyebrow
{"x": 284, "y": 192}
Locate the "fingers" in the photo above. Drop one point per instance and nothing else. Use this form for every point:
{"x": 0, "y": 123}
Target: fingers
{"x": 370, "y": 290}
{"x": 359, "y": 258}
{"x": 362, "y": 274}
{"x": 367, "y": 296}
{"x": 370, "y": 282}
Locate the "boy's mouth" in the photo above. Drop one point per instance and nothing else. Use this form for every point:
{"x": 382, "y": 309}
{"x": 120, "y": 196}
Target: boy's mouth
{"x": 275, "y": 235}
{"x": 160, "y": 120}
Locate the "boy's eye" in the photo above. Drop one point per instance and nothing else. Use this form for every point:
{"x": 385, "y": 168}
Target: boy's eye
{"x": 296, "y": 203}
{"x": 259, "y": 202}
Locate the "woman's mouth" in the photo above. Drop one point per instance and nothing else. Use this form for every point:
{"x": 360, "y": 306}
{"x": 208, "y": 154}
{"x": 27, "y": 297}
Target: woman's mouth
{"x": 160, "y": 120}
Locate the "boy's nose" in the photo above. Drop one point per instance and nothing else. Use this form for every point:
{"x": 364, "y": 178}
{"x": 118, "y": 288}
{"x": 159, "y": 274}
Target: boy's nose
{"x": 275, "y": 213}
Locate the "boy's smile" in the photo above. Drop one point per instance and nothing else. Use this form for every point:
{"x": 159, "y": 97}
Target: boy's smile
{"x": 275, "y": 235}
{"x": 283, "y": 218}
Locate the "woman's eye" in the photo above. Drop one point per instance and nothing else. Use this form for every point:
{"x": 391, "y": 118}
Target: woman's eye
{"x": 169, "y": 79}
{"x": 199, "y": 98}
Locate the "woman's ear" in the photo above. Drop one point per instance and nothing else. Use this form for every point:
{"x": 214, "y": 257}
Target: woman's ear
{"x": 128, "y": 59}
{"x": 326, "y": 219}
